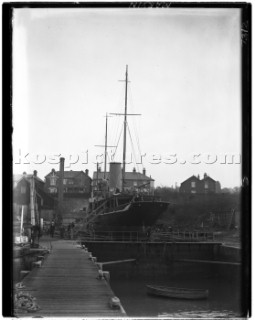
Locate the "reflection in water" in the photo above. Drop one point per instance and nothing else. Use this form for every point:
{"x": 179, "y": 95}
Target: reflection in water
{"x": 223, "y": 302}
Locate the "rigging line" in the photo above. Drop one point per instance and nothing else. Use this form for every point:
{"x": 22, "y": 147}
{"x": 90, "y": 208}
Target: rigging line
{"x": 118, "y": 143}
{"x": 116, "y": 125}
{"x": 112, "y": 131}
{"x": 136, "y": 162}
{"x": 115, "y": 132}
{"x": 108, "y": 158}
{"x": 114, "y": 137}
{"x": 132, "y": 144}
{"x": 135, "y": 127}
{"x": 137, "y": 138}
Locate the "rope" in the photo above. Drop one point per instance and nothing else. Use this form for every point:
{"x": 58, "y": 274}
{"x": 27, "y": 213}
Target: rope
{"x": 132, "y": 145}
{"x": 23, "y": 301}
{"x": 117, "y": 144}
{"x": 136, "y": 131}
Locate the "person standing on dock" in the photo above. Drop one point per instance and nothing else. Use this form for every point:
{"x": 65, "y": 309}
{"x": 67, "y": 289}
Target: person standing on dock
{"x": 32, "y": 235}
{"x": 52, "y": 228}
{"x": 62, "y": 231}
{"x": 72, "y": 231}
{"x": 148, "y": 233}
{"x": 69, "y": 231}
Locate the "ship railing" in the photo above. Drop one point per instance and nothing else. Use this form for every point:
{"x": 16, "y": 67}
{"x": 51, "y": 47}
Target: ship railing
{"x": 139, "y": 236}
{"x": 191, "y": 236}
{"x": 123, "y": 236}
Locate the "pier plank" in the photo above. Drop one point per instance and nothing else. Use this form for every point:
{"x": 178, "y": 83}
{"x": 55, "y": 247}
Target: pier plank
{"x": 67, "y": 285}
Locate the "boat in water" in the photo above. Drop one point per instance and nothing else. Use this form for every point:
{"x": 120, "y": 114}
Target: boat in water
{"x": 177, "y": 293}
{"x": 114, "y": 205}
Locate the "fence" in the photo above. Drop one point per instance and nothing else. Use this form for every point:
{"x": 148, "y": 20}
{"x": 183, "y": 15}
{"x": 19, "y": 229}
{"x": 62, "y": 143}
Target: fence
{"x": 137, "y": 236}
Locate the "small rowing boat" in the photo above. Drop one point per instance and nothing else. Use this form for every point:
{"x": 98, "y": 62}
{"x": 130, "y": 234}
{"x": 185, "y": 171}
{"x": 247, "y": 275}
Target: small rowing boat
{"x": 177, "y": 293}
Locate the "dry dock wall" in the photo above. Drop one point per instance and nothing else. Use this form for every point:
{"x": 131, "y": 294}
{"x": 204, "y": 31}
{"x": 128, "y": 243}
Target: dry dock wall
{"x": 227, "y": 253}
{"x": 107, "y": 251}
{"x": 158, "y": 260}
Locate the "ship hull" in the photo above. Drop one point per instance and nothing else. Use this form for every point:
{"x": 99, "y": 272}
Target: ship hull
{"x": 134, "y": 214}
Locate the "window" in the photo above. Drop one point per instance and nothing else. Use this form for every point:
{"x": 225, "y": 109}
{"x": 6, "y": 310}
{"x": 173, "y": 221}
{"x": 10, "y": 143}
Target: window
{"x": 23, "y": 189}
{"x": 53, "y": 181}
{"x": 64, "y": 181}
{"x": 53, "y": 190}
{"x": 135, "y": 183}
{"x": 70, "y": 181}
{"x": 193, "y": 191}
{"x": 206, "y": 185}
{"x": 193, "y": 184}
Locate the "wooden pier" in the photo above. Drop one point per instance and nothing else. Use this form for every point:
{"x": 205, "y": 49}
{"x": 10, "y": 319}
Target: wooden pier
{"x": 67, "y": 285}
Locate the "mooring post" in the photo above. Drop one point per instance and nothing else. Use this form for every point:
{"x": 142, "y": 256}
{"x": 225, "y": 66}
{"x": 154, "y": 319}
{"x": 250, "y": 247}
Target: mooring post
{"x": 23, "y": 274}
{"x": 106, "y": 275}
{"x": 100, "y": 266}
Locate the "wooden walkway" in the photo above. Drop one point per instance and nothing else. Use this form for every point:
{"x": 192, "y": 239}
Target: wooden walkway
{"x": 67, "y": 286}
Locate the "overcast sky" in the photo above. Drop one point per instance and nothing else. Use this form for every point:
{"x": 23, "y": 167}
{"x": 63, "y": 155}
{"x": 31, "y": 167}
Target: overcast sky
{"x": 184, "y": 69}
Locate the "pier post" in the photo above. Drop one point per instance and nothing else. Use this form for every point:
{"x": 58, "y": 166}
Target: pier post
{"x": 106, "y": 275}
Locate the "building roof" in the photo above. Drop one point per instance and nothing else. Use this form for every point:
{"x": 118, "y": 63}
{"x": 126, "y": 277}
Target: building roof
{"x": 191, "y": 178}
{"x": 197, "y": 178}
{"x": 128, "y": 176}
{"x": 18, "y": 177}
{"x": 69, "y": 174}
{"x": 208, "y": 178}
{"x": 48, "y": 200}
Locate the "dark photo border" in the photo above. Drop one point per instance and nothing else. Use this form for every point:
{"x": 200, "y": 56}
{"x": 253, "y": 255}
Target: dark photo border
{"x": 7, "y": 156}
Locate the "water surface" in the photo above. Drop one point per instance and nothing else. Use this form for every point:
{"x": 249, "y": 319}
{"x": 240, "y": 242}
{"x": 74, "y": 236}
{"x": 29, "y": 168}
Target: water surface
{"x": 224, "y": 299}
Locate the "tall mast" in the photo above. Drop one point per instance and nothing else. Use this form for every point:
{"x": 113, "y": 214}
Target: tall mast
{"x": 32, "y": 200}
{"x": 125, "y": 133}
{"x": 105, "y": 147}
{"x": 125, "y": 114}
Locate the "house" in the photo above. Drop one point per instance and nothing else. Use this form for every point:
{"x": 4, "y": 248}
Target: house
{"x": 44, "y": 204}
{"x": 72, "y": 189}
{"x": 75, "y": 183}
{"x": 195, "y": 185}
{"x": 21, "y": 185}
{"x": 133, "y": 181}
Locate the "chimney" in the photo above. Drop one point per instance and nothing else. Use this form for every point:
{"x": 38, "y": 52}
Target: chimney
{"x": 87, "y": 172}
{"x": 24, "y": 174}
{"x": 53, "y": 171}
{"x": 198, "y": 176}
{"x": 99, "y": 169}
{"x": 35, "y": 173}
{"x": 60, "y": 184}
{"x": 144, "y": 172}
{"x": 134, "y": 170}
{"x": 205, "y": 175}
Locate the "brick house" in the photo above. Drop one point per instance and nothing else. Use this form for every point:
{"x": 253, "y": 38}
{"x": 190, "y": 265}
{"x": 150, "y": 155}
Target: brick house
{"x": 72, "y": 194}
{"x": 133, "y": 180}
{"x": 21, "y": 193}
{"x": 195, "y": 185}
{"x": 44, "y": 204}
{"x": 75, "y": 183}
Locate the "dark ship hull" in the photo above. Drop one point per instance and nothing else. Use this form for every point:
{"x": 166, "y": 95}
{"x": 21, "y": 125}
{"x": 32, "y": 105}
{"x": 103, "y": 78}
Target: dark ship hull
{"x": 132, "y": 215}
